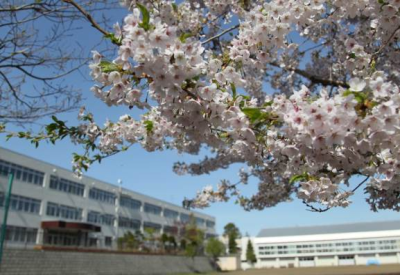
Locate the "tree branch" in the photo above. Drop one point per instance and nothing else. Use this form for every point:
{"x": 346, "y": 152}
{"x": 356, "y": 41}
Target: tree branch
{"x": 220, "y": 34}
{"x": 320, "y": 210}
{"x": 314, "y": 79}
{"x": 87, "y": 15}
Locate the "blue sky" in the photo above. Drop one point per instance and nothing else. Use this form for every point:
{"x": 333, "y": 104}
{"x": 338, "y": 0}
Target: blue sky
{"x": 151, "y": 173}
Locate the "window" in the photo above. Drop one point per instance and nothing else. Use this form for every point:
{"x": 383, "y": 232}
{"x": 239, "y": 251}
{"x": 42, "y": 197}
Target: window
{"x": 21, "y": 173}
{"x": 346, "y": 257}
{"x": 66, "y": 186}
{"x": 173, "y": 230}
{"x": 130, "y": 203}
{"x": 267, "y": 260}
{"x": 20, "y": 203}
{"x": 200, "y": 221}
{"x": 185, "y": 218}
{"x": 21, "y": 234}
{"x": 171, "y": 214}
{"x": 154, "y": 226}
{"x": 108, "y": 241}
{"x": 63, "y": 211}
{"x": 128, "y": 223}
{"x": 306, "y": 259}
{"x": 153, "y": 209}
{"x": 101, "y": 195}
{"x": 96, "y": 217}
{"x": 210, "y": 224}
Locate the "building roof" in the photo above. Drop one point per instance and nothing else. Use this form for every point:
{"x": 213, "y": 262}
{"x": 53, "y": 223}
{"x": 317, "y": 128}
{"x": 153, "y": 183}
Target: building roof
{"x": 329, "y": 229}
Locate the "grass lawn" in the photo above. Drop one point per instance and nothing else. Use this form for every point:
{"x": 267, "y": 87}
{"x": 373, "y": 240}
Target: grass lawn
{"x": 337, "y": 270}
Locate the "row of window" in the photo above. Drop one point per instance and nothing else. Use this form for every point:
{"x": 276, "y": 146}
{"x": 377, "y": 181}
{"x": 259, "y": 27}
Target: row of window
{"x": 102, "y": 195}
{"x": 20, "y": 203}
{"x": 67, "y": 186}
{"x": 21, "y": 173}
{"x": 64, "y": 211}
{"x": 99, "y": 218}
{"x": 130, "y": 203}
{"x": 330, "y": 247}
{"x": 21, "y": 234}
{"x": 155, "y": 227}
{"x": 171, "y": 214}
{"x": 56, "y": 183}
{"x": 25, "y": 204}
{"x": 129, "y": 223}
{"x": 152, "y": 209}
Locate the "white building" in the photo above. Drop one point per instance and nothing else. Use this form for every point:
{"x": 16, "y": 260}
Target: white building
{"x": 50, "y": 206}
{"x": 330, "y": 245}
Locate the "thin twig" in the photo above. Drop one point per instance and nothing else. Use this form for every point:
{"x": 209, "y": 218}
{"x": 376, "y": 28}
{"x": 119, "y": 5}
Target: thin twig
{"x": 320, "y": 210}
{"x": 313, "y": 78}
{"x": 361, "y": 183}
{"x": 220, "y": 34}
{"x": 384, "y": 45}
{"x": 87, "y": 15}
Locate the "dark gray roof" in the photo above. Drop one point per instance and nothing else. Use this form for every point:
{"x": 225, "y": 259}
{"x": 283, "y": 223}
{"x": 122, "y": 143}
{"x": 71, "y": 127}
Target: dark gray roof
{"x": 330, "y": 229}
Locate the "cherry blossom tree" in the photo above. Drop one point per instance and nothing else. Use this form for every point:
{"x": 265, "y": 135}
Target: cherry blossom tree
{"x": 304, "y": 94}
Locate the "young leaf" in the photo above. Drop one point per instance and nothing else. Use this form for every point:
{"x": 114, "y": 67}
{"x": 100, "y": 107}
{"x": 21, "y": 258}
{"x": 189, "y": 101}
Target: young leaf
{"x": 149, "y": 126}
{"x": 359, "y": 96}
{"x": 234, "y": 93}
{"x": 108, "y": 67}
{"x": 145, "y": 17}
{"x": 185, "y": 36}
{"x": 113, "y": 39}
{"x": 253, "y": 114}
{"x": 175, "y": 7}
{"x": 297, "y": 178}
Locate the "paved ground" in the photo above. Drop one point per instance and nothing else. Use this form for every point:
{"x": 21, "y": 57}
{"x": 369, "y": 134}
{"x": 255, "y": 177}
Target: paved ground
{"x": 351, "y": 270}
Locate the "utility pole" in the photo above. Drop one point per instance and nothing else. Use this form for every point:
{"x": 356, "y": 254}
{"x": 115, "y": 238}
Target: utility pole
{"x": 7, "y": 206}
{"x": 117, "y": 206}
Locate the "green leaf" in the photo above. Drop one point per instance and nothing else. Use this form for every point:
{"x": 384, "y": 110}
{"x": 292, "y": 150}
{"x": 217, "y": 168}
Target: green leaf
{"x": 352, "y": 55}
{"x": 253, "y": 114}
{"x": 149, "y": 125}
{"x": 108, "y": 67}
{"x": 296, "y": 178}
{"x": 51, "y": 127}
{"x": 145, "y": 17}
{"x": 115, "y": 40}
{"x": 175, "y": 7}
{"x": 359, "y": 96}
{"x": 185, "y": 36}
{"x": 234, "y": 93}
{"x": 268, "y": 103}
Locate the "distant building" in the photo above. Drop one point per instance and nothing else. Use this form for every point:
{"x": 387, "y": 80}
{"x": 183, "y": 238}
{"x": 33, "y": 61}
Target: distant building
{"x": 331, "y": 245}
{"x": 50, "y": 206}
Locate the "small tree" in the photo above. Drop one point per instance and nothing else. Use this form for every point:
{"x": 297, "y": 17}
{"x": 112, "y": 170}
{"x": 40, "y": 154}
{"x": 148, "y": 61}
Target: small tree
{"x": 250, "y": 256}
{"x": 129, "y": 241}
{"x": 172, "y": 241}
{"x": 164, "y": 240}
{"x": 182, "y": 244}
{"x": 215, "y": 248}
{"x": 194, "y": 237}
{"x": 151, "y": 239}
{"x": 232, "y": 232}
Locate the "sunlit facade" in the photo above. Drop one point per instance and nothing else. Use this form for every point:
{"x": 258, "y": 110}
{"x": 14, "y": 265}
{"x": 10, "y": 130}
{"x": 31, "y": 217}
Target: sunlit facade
{"x": 50, "y": 206}
{"x": 333, "y": 245}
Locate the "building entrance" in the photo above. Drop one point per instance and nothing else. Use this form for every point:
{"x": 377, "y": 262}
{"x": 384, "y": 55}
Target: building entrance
{"x": 70, "y": 234}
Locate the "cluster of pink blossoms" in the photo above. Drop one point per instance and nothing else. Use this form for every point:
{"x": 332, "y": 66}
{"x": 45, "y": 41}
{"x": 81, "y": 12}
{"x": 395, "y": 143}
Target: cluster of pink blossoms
{"x": 329, "y": 116}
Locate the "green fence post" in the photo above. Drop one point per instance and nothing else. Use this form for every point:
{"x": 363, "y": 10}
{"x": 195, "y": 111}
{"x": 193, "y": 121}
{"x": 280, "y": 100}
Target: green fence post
{"x": 7, "y": 206}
